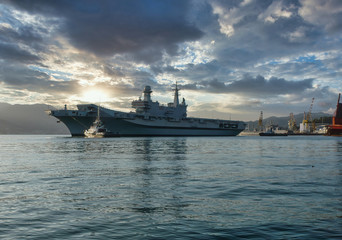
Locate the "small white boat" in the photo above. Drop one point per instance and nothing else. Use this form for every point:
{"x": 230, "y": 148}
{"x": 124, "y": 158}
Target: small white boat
{"x": 97, "y": 129}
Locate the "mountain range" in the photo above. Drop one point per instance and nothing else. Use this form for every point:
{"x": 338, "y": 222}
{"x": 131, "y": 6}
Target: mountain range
{"x": 28, "y": 119}
{"x": 32, "y": 119}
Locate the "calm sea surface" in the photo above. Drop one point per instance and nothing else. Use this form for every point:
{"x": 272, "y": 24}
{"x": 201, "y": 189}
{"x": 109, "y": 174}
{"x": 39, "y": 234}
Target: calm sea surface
{"x": 58, "y": 187}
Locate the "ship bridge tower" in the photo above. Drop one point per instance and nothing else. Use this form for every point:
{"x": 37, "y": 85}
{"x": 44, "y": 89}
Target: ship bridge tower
{"x": 147, "y": 93}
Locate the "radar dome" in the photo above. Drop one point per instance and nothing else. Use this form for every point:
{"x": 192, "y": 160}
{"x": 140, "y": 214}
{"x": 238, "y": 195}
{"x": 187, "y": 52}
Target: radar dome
{"x": 147, "y": 89}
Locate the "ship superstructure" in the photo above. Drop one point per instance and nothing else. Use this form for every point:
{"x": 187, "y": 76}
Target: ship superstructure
{"x": 149, "y": 119}
{"x": 147, "y": 107}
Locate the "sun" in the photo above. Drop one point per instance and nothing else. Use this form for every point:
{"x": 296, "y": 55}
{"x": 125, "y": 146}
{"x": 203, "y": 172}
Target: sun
{"x": 94, "y": 96}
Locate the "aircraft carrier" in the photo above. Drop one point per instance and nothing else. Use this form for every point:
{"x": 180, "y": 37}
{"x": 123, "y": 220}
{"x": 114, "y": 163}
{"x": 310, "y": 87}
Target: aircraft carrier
{"x": 149, "y": 119}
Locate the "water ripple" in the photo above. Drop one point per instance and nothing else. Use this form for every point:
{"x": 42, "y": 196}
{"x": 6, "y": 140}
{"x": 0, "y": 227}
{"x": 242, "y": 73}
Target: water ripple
{"x": 167, "y": 188}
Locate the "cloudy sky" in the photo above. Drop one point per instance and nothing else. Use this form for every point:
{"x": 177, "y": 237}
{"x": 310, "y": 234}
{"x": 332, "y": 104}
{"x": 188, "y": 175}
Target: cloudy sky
{"x": 230, "y": 58}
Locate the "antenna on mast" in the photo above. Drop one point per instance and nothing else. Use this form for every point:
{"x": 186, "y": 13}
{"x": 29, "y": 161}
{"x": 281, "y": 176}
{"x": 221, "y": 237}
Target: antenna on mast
{"x": 175, "y": 99}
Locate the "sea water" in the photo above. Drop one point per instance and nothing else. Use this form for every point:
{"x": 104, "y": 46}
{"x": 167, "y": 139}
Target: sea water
{"x": 58, "y": 187}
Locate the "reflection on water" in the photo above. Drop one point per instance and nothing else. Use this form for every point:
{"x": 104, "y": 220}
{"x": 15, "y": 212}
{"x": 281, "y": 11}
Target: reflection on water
{"x": 339, "y": 147}
{"x": 166, "y": 188}
{"x": 145, "y": 173}
{"x": 159, "y": 170}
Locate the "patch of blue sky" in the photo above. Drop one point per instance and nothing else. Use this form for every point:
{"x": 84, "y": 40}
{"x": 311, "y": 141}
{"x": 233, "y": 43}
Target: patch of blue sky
{"x": 274, "y": 62}
{"x": 205, "y": 60}
{"x": 198, "y": 59}
{"x": 307, "y": 59}
{"x": 56, "y": 74}
{"x": 6, "y": 16}
{"x": 180, "y": 66}
{"x": 144, "y": 69}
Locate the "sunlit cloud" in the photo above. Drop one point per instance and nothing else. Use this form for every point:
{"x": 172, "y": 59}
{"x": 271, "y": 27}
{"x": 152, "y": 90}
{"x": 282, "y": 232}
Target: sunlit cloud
{"x": 94, "y": 96}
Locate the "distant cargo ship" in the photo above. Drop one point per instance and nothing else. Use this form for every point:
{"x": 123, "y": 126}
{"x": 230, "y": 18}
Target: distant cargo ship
{"x": 149, "y": 119}
{"x": 336, "y": 127}
{"x": 273, "y": 130}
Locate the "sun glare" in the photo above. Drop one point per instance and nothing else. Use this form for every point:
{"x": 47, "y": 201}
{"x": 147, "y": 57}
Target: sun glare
{"x": 94, "y": 96}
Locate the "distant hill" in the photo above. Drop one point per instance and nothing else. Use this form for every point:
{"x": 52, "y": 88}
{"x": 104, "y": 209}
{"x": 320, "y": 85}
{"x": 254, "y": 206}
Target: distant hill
{"x": 282, "y": 122}
{"x": 28, "y": 119}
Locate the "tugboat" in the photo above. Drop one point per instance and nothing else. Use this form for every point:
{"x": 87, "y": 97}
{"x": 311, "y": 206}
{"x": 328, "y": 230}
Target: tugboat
{"x": 97, "y": 129}
{"x": 336, "y": 128}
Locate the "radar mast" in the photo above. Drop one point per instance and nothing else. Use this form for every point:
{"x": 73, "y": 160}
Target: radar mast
{"x": 175, "y": 99}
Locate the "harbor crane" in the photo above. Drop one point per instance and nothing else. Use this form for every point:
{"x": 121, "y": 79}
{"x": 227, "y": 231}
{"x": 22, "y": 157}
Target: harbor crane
{"x": 308, "y": 116}
{"x": 292, "y": 123}
{"x": 304, "y": 126}
{"x": 260, "y": 124}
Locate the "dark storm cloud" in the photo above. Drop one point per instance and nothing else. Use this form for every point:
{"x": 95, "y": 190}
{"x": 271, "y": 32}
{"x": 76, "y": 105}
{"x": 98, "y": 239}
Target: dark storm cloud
{"x": 11, "y": 52}
{"x": 273, "y": 86}
{"x": 15, "y": 31}
{"x": 21, "y": 77}
{"x": 193, "y": 72}
{"x": 142, "y": 28}
{"x": 326, "y": 14}
{"x": 164, "y": 69}
{"x": 25, "y": 34}
{"x": 257, "y": 86}
{"x": 108, "y": 70}
{"x": 259, "y": 33}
